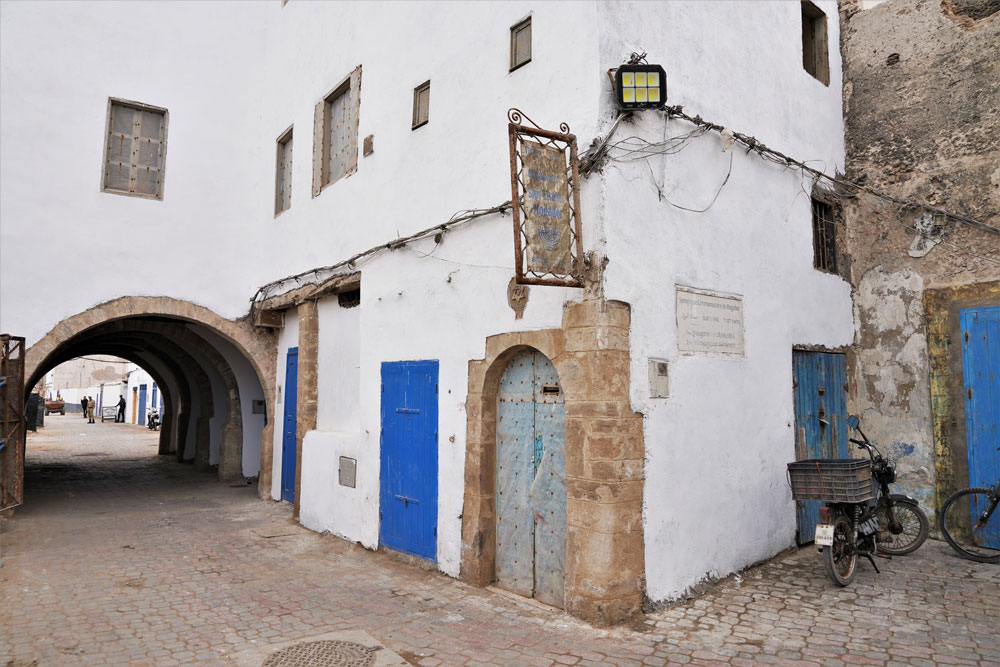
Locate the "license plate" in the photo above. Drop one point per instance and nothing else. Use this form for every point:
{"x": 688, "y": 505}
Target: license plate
{"x": 824, "y": 534}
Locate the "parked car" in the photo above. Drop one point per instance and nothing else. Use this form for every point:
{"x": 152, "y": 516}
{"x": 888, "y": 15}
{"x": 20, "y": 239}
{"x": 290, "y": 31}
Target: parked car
{"x": 55, "y": 406}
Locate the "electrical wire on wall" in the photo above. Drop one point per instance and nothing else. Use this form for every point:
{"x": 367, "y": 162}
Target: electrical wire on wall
{"x": 459, "y": 218}
{"x": 632, "y": 148}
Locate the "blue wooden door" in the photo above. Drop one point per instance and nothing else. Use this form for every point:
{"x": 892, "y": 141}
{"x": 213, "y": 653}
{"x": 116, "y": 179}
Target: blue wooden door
{"x": 142, "y": 404}
{"x": 820, "y": 390}
{"x": 409, "y": 458}
{"x": 981, "y": 373}
{"x": 531, "y": 480}
{"x": 288, "y": 440}
{"x": 154, "y": 401}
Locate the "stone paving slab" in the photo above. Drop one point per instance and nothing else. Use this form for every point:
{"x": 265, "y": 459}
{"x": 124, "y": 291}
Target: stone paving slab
{"x": 123, "y": 557}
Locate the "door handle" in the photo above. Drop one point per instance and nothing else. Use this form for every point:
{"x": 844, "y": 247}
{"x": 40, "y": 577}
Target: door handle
{"x": 406, "y": 500}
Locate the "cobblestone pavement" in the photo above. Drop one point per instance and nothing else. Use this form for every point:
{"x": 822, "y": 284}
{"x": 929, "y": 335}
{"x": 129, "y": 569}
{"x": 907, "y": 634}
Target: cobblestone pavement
{"x": 123, "y": 557}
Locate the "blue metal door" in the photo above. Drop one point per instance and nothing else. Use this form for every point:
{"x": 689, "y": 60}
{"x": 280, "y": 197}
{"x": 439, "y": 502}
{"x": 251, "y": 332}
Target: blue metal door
{"x": 531, "y": 480}
{"x": 154, "y": 402}
{"x": 142, "y": 404}
{"x": 288, "y": 439}
{"x": 981, "y": 373}
{"x": 820, "y": 389}
{"x": 409, "y": 458}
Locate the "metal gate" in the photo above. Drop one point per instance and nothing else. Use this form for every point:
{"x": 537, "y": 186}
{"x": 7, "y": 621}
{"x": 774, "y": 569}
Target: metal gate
{"x": 409, "y": 458}
{"x": 820, "y": 388}
{"x": 531, "y": 480}
{"x": 12, "y": 425}
{"x": 289, "y": 438}
{"x": 981, "y": 374}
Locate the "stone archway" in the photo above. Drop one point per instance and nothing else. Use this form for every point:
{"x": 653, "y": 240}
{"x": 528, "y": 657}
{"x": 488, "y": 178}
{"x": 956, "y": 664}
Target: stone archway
{"x": 256, "y": 345}
{"x": 605, "y": 560}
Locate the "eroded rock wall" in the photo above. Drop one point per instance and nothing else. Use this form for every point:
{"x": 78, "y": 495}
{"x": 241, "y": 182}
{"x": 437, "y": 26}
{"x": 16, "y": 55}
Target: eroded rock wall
{"x": 922, "y": 114}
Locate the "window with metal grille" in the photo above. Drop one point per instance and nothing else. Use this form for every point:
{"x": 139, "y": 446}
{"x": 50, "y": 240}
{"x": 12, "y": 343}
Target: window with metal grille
{"x": 815, "y": 48}
{"x": 135, "y": 152}
{"x": 520, "y": 44}
{"x": 349, "y": 299}
{"x": 824, "y": 237}
{"x": 283, "y": 173}
{"x": 421, "y": 104}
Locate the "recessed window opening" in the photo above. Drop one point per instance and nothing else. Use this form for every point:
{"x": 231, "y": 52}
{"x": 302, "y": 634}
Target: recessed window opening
{"x": 824, "y": 237}
{"x": 815, "y": 47}
{"x": 421, "y": 104}
{"x": 135, "y": 151}
{"x": 283, "y": 173}
{"x": 349, "y": 299}
{"x": 520, "y": 44}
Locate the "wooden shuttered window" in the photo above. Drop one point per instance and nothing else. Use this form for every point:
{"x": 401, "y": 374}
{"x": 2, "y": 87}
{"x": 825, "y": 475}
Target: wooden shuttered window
{"x": 136, "y": 150}
{"x": 520, "y": 44}
{"x": 283, "y": 174}
{"x": 421, "y": 104}
{"x": 335, "y": 133}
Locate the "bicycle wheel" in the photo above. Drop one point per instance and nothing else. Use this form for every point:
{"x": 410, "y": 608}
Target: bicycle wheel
{"x": 841, "y": 557}
{"x": 970, "y": 522}
{"x": 906, "y": 533}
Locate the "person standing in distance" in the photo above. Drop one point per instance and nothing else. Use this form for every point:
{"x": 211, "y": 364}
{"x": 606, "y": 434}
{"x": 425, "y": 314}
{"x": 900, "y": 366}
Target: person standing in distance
{"x": 120, "y": 417}
{"x": 90, "y": 410}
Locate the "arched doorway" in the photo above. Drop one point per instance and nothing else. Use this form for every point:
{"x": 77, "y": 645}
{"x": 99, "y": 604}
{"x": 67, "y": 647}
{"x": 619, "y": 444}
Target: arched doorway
{"x": 531, "y": 479}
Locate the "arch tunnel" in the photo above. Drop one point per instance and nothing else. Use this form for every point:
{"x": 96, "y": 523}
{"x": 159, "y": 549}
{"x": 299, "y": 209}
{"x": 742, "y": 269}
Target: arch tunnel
{"x": 212, "y": 373}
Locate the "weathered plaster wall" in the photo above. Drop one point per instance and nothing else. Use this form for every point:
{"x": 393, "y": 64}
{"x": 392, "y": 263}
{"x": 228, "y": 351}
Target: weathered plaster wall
{"x": 922, "y": 108}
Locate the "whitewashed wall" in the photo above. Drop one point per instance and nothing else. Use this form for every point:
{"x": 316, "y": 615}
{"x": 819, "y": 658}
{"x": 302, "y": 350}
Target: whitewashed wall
{"x": 235, "y": 76}
{"x": 716, "y": 498}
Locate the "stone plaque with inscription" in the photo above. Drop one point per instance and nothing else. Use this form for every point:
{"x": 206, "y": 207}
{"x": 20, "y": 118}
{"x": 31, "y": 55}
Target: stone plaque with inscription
{"x": 709, "y": 323}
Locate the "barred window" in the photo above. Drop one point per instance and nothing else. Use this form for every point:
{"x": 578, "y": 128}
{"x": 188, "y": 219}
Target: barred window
{"x": 135, "y": 152}
{"x": 824, "y": 237}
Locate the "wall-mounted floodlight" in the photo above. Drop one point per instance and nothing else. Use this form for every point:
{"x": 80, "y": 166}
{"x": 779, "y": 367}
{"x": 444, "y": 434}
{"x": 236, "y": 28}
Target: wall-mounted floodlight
{"x": 641, "y": 87}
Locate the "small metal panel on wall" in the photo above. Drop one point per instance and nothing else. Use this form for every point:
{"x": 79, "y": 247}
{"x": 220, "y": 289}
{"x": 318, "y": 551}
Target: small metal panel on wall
{"x": 544, "y": 181}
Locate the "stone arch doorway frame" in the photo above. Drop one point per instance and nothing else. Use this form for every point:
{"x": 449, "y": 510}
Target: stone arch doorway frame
{"x": 256, "y": 345}
{"x": 604, "y": 450}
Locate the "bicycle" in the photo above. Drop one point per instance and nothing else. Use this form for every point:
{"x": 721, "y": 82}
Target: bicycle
{"x": 970, "y": 523}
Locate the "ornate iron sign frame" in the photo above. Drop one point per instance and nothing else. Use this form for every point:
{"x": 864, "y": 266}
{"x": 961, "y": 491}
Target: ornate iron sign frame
{"x": 565, "y": 144}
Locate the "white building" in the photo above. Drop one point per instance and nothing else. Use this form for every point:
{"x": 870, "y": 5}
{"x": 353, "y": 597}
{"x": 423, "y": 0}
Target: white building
{"x": 674, "y": 452}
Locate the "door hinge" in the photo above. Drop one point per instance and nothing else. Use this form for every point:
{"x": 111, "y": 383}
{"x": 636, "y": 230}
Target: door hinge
{"x": 970, "y": 393}
{"x": 435, "y": 531}
{"x": 383, "y": 387}
{"x": 435, "y": 389}
{"x": 380, "y": 515}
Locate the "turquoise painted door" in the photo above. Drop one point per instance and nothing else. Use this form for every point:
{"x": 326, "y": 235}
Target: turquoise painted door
{"x": 531, "y": 480}
{"x": 981, "y": 375}
{"x": 409, "y": 458}
{"x": 289, "y": 458}
{"x": 820, "y": 395}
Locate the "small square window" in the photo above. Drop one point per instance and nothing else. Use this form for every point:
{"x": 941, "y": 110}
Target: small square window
{"x": 824, "y": 237}
{"x": 520, "y": 44}
{"x": 283, "y": 173}
{"x": 421, "y": 104}
{"x": 815, "y": 57}
{"x": 135, "y": 150}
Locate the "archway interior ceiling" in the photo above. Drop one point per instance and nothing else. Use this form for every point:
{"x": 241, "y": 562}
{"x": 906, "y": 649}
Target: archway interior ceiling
{"x": 165, "y": 347}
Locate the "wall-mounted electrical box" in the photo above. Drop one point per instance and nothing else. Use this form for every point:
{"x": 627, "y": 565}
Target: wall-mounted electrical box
{"x": 659, "y": 386}
{"x": 348, "y": 471}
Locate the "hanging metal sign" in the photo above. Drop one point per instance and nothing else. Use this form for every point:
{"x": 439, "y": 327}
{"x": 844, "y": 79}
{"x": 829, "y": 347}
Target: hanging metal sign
{"x": 548, "y": 245}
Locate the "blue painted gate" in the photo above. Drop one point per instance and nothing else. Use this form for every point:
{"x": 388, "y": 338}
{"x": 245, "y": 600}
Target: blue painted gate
{"x": 409, "y": 458}
{"x": 531, "y": 480}
{"x": 142, "y": 404}
{"x": 981, "y": 372}
{"x": 820, "y": 389}
{"x": 288, "y": 440}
